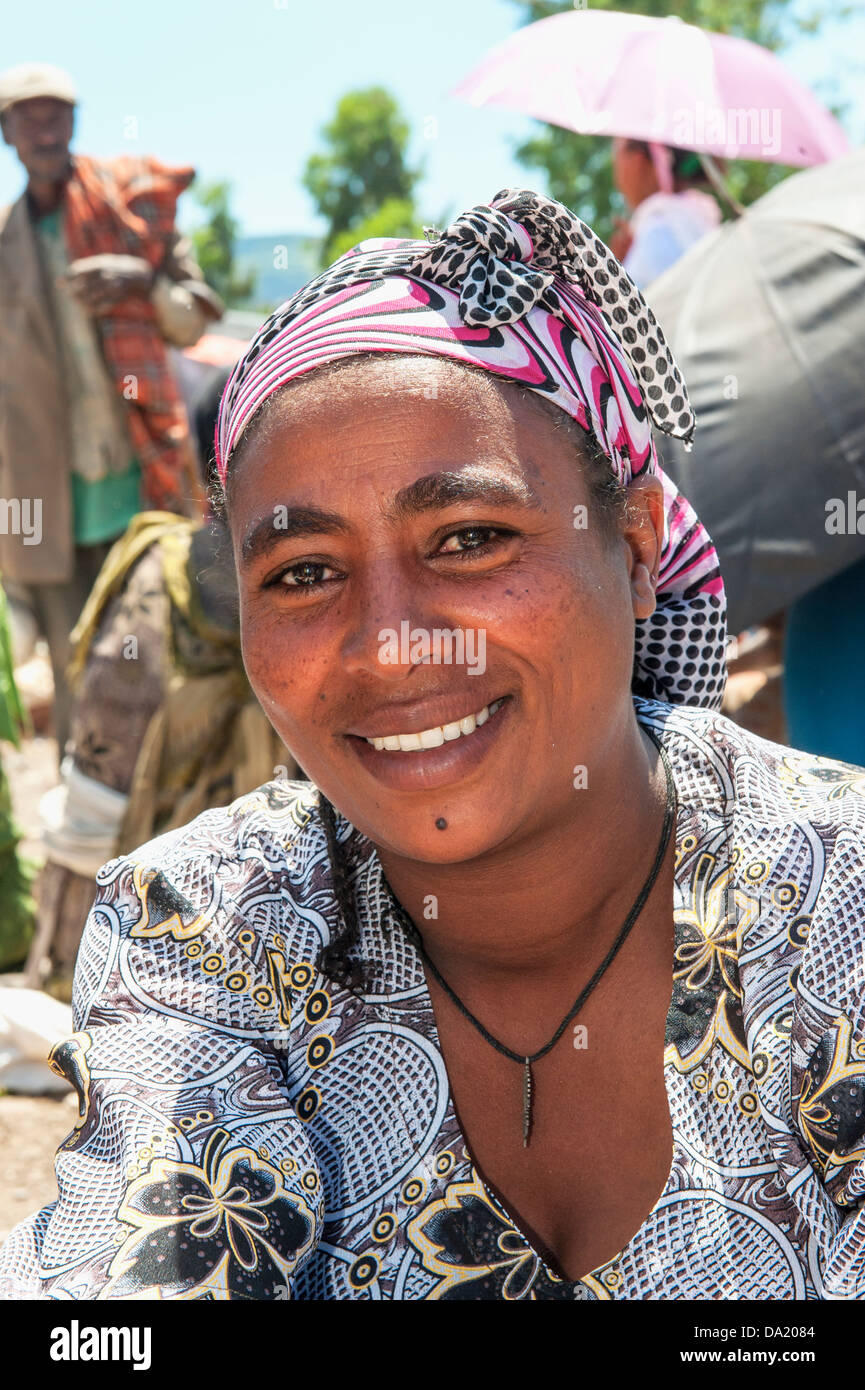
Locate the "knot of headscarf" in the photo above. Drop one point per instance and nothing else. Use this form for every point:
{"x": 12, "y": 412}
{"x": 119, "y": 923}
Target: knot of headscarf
{"x": 496, "y": 281}
{"x": 504, "y": 259}
{"x": 523, "y": 288}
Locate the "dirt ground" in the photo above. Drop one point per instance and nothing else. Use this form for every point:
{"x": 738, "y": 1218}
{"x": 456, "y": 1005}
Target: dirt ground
{"x": 31, "y": 1127}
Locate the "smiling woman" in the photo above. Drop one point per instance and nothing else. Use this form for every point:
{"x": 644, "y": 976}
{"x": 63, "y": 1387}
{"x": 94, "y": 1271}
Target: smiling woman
{"x": 323, "y": 1035}
{"x": 450, "y": 503}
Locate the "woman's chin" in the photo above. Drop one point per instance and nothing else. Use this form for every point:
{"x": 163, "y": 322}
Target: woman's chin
{"x": 454, "y": 841}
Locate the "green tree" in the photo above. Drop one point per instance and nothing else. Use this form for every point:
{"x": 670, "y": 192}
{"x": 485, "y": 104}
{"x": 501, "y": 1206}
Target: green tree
{"x": 363, "y": 177}
{"x": 579, "y": 168}
{"x": 395, "y": 217}
{"x": 215, "y": 243}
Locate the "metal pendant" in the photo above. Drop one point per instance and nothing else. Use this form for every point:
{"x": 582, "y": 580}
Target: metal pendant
{"x": 527, "y": 1102}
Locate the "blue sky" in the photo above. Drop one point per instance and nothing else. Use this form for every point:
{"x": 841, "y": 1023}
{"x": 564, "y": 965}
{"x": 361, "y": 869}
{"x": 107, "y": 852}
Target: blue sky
{"x": 241, "y": 88}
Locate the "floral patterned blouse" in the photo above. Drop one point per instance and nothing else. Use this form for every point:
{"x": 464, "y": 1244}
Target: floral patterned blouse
{"x": 249, "y": 1130}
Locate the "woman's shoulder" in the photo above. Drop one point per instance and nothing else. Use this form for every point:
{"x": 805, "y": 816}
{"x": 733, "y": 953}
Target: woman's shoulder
{"x": 723, "y": 766}
{"x": 771, "y": 915}
{"x": 263, "y": 829}
{"x": 255, "y": 870}
{"x": 187, "y": 1032}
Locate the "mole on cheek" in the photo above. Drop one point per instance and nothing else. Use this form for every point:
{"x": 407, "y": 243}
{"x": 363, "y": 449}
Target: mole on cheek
{"x": 441, "y": 823}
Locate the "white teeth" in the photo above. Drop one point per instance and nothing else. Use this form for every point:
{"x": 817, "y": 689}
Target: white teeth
{"x": 434, "y": 738}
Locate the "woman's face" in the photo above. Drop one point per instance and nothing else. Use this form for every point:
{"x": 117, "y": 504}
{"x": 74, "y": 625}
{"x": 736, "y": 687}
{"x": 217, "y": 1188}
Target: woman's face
{"x": 416, "y": 544}
{"x": 633, "y": 173}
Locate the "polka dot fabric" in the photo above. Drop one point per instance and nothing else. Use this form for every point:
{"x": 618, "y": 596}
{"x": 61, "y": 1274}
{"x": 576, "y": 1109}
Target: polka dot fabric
{"x": 523, "y": 288}
{"x": 505, "y": 259}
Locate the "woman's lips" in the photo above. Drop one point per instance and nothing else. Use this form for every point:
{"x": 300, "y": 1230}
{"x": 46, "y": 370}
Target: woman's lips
{"x": 429, "y": 768}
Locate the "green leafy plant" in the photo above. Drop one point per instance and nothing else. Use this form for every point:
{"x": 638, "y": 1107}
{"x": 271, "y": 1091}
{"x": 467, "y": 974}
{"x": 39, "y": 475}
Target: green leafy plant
{"x": 215, "y": 242}
{"x": 362, "y": 183}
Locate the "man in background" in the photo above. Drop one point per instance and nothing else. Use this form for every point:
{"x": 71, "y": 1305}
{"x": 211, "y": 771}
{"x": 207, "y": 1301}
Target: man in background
{"x": 94, "y": 281}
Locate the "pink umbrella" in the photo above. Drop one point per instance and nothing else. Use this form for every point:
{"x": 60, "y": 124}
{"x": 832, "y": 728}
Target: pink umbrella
{"x": 601, "y": 72}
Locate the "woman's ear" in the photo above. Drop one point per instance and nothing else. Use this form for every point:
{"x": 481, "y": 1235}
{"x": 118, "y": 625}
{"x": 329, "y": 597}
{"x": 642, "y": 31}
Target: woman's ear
{"x": 643, "y": 535}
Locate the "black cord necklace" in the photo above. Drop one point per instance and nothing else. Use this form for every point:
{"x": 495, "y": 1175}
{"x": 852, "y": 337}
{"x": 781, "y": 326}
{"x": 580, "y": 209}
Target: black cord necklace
{"x": 527, "y": 1062}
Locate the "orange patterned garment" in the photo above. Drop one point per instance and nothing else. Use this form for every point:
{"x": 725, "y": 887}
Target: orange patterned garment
{"x": 127, "y": 206}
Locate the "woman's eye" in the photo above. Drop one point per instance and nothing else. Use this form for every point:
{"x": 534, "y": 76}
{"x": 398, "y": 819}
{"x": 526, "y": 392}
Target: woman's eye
{"x": 471, "y": 538}
{"x": 305, "y": 575}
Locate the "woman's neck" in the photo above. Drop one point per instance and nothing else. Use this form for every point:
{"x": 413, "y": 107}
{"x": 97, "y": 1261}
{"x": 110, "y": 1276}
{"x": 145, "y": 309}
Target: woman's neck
{"x": 531, "y": 905}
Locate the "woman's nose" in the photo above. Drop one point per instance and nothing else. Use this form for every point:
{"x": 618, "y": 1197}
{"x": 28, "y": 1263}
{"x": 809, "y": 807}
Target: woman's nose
{"x": 390, "y": 629}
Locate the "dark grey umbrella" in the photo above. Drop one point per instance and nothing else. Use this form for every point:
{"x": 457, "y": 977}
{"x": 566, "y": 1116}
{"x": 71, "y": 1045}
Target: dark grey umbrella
{"x": 766, "y": 318}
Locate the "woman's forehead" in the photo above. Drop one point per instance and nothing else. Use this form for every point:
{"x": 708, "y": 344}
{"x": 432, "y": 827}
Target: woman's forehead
{"x": 358, "y": 379}
{"x": 370, "y": 398}
{"x": 401, "y": 428}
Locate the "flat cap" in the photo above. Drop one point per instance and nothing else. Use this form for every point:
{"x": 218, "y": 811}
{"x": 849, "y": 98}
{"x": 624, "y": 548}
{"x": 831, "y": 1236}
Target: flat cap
{"x": 30, "y": 80}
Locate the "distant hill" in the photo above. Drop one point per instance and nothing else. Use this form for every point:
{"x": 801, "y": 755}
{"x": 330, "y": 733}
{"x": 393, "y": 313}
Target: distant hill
{"x": 282, "y": 263}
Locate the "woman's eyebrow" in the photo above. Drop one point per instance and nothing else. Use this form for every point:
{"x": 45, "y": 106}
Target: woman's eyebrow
{"x": 427, "y": 494}
{"x": 286, "y": 523}
{"x": 439, "y": 490}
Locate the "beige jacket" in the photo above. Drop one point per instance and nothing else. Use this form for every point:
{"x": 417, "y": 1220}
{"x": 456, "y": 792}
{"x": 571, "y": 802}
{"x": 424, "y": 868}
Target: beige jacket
{"x": 34, "y": 434}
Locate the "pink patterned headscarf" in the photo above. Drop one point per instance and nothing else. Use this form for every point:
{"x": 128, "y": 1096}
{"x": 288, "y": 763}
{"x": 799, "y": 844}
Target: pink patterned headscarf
{"x": 525, "y": 289}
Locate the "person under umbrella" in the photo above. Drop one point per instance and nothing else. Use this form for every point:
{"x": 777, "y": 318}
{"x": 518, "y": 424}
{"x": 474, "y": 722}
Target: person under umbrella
{"x": 670, "y": 209}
